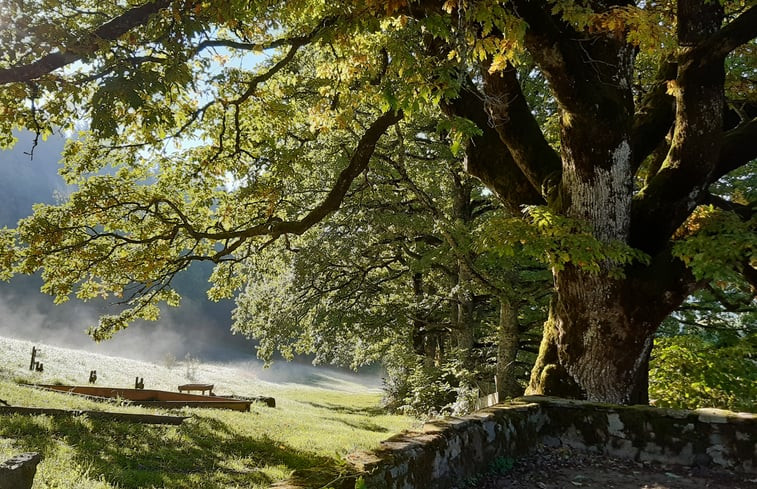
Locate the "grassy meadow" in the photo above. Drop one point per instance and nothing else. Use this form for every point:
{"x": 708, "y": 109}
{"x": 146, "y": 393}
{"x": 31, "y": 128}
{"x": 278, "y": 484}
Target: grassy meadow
{"x": 317, "y": 420}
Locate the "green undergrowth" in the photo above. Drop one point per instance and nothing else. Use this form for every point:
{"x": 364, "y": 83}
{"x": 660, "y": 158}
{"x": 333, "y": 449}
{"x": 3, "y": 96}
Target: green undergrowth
{"x": 308, "y": 433}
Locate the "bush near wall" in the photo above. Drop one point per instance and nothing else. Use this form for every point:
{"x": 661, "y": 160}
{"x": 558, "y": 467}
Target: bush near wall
{"x": 690, "y": 372}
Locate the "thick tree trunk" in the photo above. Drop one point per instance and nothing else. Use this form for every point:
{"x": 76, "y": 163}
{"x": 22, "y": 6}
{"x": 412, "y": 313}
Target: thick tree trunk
{"x": 424, "y": 341}
{"x": 598, "y": 337}
{"x": 597, "y": 341}
{"x": 593, "y": 348}
{"x": 507, "y": 350}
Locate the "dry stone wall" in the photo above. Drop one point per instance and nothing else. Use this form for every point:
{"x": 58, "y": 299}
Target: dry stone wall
{"x": 700, "y": 437}
{"x": 447, "y": 452}
{"x": 452, "y": 449}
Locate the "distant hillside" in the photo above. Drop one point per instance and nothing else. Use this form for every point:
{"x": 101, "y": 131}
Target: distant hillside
{"x": 25, "y": 181}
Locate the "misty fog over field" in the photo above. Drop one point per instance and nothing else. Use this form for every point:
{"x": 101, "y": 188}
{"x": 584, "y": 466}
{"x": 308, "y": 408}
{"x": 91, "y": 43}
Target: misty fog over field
{"x": 199, "y": 327}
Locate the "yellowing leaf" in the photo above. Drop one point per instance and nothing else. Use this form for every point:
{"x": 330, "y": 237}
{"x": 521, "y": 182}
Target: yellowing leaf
{"x": 499, "y": 63}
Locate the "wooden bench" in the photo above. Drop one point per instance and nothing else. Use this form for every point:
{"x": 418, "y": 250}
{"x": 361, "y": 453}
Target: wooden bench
{"x": 197, "y": 387}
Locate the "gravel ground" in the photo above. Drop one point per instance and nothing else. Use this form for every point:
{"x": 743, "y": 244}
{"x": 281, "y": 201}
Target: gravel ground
{"x": 563, "y": 468}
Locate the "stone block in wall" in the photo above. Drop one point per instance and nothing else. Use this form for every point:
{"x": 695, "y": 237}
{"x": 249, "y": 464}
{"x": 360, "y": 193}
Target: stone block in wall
{"x": 18, "y": 472}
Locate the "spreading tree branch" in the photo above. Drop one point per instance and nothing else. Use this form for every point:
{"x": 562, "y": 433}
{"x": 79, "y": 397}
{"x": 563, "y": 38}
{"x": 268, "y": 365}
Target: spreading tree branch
{"x": 487, "y": 157}
{"x": 716, "y": 47}
{"x": 109, "y": 31}
{"x": 333, "y": 200}
{"x": 654, "y": 117}
{"x": 745, "y": 212}
{"x": 517, "y": 127}
{"x": 276, "y": 43}
{"x": 738, "y": 149}
{"x": 679, "y": 186}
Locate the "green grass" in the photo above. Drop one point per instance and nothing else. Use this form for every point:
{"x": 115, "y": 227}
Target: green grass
{"x": 308, "y": 433}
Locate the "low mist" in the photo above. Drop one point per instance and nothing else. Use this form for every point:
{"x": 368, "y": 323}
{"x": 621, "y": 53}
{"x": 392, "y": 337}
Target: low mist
{"x": 26, "y": 313}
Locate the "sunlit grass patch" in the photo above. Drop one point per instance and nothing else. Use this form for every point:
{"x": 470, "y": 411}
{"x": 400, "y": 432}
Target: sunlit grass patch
{"x": 309, "y": 431}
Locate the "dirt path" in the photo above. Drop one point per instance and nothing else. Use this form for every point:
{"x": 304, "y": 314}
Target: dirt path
{"x": 562, "y": 468}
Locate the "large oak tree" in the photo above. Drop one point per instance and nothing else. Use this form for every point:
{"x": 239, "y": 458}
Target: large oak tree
{"x": 555, "y": 105}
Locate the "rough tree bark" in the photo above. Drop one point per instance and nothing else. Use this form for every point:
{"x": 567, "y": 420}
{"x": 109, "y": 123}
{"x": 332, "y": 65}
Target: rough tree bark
{"x": 507, "y": 350}
{"x": 463, "y": 319}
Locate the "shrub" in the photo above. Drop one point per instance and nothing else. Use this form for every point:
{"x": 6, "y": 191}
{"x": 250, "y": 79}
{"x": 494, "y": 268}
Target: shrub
{"x": 691, "y": 372}
{"x": 423, "y": 389}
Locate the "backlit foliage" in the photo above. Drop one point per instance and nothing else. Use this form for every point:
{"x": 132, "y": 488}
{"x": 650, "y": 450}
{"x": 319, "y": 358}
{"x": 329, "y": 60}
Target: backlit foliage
{"x": 689, "y": 372}
{"x": 242, "y": 133}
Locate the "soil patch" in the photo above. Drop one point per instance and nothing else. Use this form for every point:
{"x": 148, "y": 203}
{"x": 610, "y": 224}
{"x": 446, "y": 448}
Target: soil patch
{"x": 563, "y": 468}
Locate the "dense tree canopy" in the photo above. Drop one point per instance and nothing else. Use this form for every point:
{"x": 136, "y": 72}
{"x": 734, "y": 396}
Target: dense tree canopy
{"x": 402, "y": 274}
{"x": 622, "y": 133}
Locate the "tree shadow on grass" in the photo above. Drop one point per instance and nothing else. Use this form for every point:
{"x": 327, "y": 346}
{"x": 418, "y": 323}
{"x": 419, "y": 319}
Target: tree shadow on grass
{"x": 362, "y": 425}
{"x": 203, "y": 453}
{"x": 338, "y": 408}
